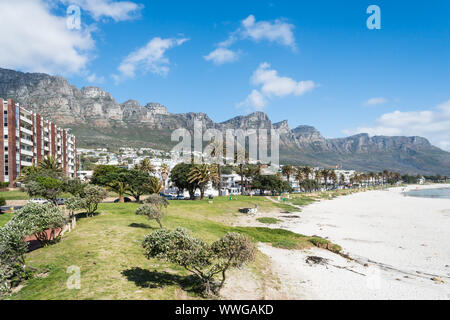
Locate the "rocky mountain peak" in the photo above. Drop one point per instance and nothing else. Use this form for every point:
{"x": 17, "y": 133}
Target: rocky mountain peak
{"x": 98, "y": 120}
{"x": 156, "y": 108}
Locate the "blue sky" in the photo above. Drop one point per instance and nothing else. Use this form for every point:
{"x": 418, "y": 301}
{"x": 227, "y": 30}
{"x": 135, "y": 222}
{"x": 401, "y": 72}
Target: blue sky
{"x": 310, "y": 62}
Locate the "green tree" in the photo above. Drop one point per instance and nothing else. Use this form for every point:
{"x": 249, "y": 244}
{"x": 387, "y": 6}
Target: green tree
{"x": 44, "y": 221}
{"x": 271, "y": 183}
{"x": 74, "y": 186}
{"x": 92, "y": 195}
{"x": 151, "y": 212}
{"x": 309, "y": 185}
{"x": 45, "y": 186}
{"x": 180, "y": 178}
{"x": 146, "y": 166}
{"x": 12, "y": 256}
{"x": 50, "y": 163}
{"x": 201, "y": 175}
{"x": 288, "y": 171}
{"x": 199, "y": 258}
{"x": 138, "y": 183}
{"x": 113, "y": 178}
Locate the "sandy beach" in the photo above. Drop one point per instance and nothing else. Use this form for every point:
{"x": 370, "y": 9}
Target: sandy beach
{"x": 400, "y": 248}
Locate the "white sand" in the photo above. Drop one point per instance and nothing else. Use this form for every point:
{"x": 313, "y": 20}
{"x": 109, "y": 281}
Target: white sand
{"x": 399, "y": 243}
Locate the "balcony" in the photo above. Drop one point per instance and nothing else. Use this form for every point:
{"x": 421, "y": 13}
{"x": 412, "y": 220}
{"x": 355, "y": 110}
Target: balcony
{"x": 26, "y": 152}
{"x": 27, "y": 120}
{"x": 27, "y": 131}
{"x": 26, "y": 141}
{"x": 26, "y": 163}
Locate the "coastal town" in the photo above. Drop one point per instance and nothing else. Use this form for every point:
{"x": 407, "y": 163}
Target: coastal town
{"x": 223, "y": 159}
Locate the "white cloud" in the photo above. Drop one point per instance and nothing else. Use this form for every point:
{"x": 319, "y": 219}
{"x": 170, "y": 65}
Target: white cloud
{"x": 255, "y": 99}
{"x": 375, "y": 101}
{"x": 93, "y": 78}
{"x": 272, "y": 85}
{"x": 433, "y": 124}
{"x": 277, "y": 31}
{"x": 150, "y": 58}
{"x": 221, "y": 56}
{"x": 32, "y": 39}
{"x": 116, "y": 10}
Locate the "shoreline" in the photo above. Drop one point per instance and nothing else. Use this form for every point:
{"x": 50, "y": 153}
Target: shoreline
{"x": 399, "y": 247}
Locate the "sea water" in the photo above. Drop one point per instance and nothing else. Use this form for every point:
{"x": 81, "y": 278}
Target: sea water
{"x": 430, "y": 193}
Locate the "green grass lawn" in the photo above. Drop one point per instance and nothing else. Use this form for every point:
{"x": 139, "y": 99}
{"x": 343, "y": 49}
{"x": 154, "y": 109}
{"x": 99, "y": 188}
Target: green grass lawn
{"x": 4, "y": 218}
{"x": 107, "y": 248}
{"x": 268, "y": 220}
{"x": 14, "y": 195}
{"x": 20, "y": 195}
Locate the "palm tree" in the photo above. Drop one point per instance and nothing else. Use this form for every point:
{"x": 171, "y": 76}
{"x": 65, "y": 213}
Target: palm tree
{"x": 299, "y": 176}
{"x": 385, "y": 176}
{"x": 251, "y": 171}
{"x": 325, "y": 174}
{"x": 155, "y": 185}
{"x": 217, "y": 153}
{"x": 318, "y": 177}
{"x": 342, "y": 179}
{"x": 333, "y": 177}
{"x": 307, "y": 171}
{"x": 164, "y": 171}
{"x": 50, "y": 163}
{"x": 372, "y": 176}
{"x": 202, "y": 174}
{"x": 239, "y": 155}
{"x": 287, "y": 171}
{"x": 146, "y": 166}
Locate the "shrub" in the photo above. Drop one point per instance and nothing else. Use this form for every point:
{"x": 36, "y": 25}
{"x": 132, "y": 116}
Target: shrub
{"x": 2, "y": 201}
{"x": 12, "y": 256}
{"x": 157, "y": 201}
{"x": 74, "y": 186}
{"x": 73, "y": 204}
{"x": 152, "y": 212}
{"x": 203, "y": 260}
{"x": 4, "y": 185}
{"x": 91, "y": 197}
{"x": 44, "y": 186}
{"x": 40, "y": 220}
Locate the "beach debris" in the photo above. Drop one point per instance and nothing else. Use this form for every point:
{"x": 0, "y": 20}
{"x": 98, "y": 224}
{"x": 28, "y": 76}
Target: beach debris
{"x": 438, "y": 280}
{"x": 316, "y": 260}
{"x": 249, "y": 210}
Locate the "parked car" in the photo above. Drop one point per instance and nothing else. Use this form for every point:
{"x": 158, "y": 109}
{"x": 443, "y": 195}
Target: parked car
{"x": 60, "y": 201}
{"x": 180, "y": 197}
{"x": 38, "y": 201}
{"x": 126, "y": 199}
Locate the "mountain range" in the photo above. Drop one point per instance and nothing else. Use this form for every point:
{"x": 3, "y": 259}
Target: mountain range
{"x": 98, "y": 120}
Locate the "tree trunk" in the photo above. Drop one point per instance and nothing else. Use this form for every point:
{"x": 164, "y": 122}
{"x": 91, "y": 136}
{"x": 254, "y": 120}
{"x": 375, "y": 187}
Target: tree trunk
{"x": 202, "y": 193}
{"x": 121, "y": 198}
{"x": 220, "y": 179}
{"x": 242, "y": 178}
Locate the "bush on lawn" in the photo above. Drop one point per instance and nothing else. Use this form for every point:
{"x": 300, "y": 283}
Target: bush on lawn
{"x": 35, "y": 219}
{"x": 205, "y": 261}
{"x": 152, "y": 213}
{"x": 12, "y": 256}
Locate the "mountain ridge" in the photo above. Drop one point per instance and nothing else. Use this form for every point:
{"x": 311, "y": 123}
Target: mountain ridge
{"x": 98, "y": 120}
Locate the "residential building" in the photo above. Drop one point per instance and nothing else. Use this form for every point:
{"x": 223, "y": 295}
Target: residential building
{"x": 27, "y": 138}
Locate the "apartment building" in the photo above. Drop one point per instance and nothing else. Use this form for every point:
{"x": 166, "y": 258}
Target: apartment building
{"x": 27, "y": 138}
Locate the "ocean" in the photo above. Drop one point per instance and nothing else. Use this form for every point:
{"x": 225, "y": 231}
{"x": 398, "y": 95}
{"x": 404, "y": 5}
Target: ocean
{"x": 430, "y": 193}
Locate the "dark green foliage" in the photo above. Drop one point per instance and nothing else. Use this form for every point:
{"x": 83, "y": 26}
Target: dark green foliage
{"x": 180, "y": 178}
{"x": 203, "y": 260}
{"x": 271, "y": 183}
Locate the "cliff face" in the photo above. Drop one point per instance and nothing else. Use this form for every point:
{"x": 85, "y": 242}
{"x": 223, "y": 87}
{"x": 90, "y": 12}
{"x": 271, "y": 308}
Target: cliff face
{"x": 97, "y": 119}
